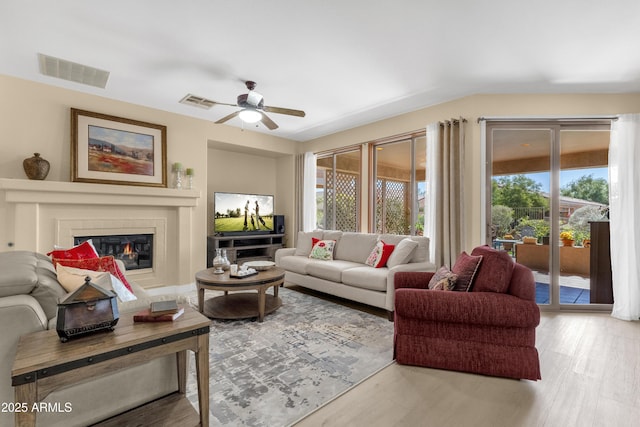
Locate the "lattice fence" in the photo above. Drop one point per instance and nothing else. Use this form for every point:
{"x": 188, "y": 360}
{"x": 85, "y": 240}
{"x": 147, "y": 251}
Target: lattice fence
{"x": 392, "y": 206}
{"x": 345, "y": 192}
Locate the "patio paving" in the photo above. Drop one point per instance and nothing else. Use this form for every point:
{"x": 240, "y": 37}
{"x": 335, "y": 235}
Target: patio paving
{"x": 573, "y": 289}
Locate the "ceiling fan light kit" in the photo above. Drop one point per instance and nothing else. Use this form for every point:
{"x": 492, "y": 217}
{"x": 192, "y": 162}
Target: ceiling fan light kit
{"x": 250, "y": 116}
{"x": 253, "y": 108}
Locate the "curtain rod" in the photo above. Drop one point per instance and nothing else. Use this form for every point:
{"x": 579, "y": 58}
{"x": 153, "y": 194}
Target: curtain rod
{"x": 461, "y": 119}
{"x": 546, "y": 119}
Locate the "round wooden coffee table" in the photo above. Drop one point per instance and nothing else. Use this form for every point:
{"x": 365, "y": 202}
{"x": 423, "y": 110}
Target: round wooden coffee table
{"x": 240, "y": 305}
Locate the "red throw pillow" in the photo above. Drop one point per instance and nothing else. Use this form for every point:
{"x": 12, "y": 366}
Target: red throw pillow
{"x": 495, "y": 273}
{"x": 379, "y": 255}
{"x": 105, "y": 263}
{"x": 84, "y": 250}
{"x": 465, "y": 268}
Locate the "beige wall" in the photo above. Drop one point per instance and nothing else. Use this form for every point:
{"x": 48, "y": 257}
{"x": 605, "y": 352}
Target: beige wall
{"x": 253, "y": 171}
{"x": 36, "y": 118}
{"x": 239, "y": 173}
{"x": 471, "y": 108}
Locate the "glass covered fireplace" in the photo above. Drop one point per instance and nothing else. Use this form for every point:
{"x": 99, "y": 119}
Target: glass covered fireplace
{"x": 135, "y": 250}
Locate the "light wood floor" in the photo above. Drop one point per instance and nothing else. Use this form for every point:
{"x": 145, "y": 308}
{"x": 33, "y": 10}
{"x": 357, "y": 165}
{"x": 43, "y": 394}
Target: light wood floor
{"x": 590, "y": 377}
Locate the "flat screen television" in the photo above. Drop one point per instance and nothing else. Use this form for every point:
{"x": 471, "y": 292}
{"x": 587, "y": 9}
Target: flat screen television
{"x": 239, "y": 213}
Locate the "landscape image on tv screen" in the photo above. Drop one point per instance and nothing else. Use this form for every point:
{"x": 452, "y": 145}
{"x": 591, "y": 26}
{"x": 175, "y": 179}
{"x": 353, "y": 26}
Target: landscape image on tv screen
{"x": 237, "y": 213}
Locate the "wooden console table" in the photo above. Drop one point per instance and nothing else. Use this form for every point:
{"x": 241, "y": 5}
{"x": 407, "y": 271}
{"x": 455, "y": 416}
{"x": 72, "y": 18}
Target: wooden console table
{"x": 43, "y": 364}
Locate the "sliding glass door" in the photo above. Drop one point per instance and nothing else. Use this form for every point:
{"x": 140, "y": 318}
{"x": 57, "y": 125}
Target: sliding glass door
{"x": 548, "y": 184}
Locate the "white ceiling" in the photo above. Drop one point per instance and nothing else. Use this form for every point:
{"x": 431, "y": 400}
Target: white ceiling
{"x": 346, "y": 63}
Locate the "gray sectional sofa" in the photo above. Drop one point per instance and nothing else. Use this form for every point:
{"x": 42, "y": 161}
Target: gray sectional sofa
{"x": 29, "y": 294}
{"x": 347, "y": 275}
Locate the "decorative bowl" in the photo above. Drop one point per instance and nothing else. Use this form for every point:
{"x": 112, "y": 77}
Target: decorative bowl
{"x": 260, "y": 265}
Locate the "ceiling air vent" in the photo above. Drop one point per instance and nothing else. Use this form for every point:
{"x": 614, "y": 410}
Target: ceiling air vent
{"x": 197, "y": 101}
{"x": 71, "y": 71}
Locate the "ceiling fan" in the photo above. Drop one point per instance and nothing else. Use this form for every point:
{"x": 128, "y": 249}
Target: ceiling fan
{"x": 253, "y": 109}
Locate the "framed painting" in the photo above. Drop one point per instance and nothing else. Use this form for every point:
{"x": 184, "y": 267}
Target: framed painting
{"x": 113, "y": 150}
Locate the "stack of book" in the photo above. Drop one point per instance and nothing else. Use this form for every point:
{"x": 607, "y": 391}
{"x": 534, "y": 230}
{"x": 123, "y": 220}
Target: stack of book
{"x": 159, "y": 311}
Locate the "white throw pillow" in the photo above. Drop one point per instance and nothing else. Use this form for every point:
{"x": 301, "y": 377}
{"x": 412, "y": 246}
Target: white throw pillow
{"x": 402, "y": 253}
{"x": 72, "y": 278}
{"x": 322, "y": 249}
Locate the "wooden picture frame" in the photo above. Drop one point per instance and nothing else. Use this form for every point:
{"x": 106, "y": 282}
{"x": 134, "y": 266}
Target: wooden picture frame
{"x": 114, "y": 150}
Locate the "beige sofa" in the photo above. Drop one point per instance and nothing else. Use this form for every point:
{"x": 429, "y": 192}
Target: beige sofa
{"x": 29, "y": 293}
{"x": 347, "y": 275}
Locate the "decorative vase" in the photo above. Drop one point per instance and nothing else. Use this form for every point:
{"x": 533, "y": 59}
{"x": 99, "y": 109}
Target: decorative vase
{"x": 218, "y": 262}
{"x": 226, "y": 264}
{"x": 178, "y": 180}
{"x": 567, "y": 242}
{"x": 36, "y": 167}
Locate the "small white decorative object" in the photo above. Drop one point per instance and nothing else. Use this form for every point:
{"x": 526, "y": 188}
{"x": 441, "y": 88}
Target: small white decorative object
{"x": 177, "y": 170}
{"x": 245, "y": 272}
{"x": 189, "y": 173}
{"x": 259, "y": 265}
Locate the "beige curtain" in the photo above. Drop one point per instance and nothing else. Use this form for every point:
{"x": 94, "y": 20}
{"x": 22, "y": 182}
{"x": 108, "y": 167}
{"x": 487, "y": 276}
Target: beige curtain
{"x": 299, "y": 192}
{"x": 449, "y": 191}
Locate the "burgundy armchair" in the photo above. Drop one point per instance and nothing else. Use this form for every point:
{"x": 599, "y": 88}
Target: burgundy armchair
{"x": 490, "y": 332}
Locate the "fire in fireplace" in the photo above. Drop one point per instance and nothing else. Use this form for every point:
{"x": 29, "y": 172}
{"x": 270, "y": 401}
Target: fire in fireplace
{"x": 135, "y": 250}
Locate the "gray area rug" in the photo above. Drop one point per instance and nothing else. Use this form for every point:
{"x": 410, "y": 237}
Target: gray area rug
{"x": 303, "y": 355}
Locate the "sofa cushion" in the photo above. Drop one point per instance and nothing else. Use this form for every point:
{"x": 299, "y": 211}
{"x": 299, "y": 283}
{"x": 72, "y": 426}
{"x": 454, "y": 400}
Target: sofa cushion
{"x": 495, "y": 271}
{"x": 26, "y": 272}
{"x": 303, "y": 243}
{"x": 355, "y": 247}
{"x": 421, "y": 254}
{"x": 466, "y": 268}
{"x": 443, "y": 280}
{"x": 402, "y": 253}
{"x": 366, "y": 277}
{"x": 330, "y": 270}
{"x": 296, "y": 264}
{"x": 322, "y": 249}
{"x": 379, "y": 255}
{"x": 332, "y": 235}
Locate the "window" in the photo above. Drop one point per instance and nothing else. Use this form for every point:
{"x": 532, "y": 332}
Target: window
{"x": 398, "y": 183}
{"x": 394, "y": 183}
{"x": 338, "y": 190}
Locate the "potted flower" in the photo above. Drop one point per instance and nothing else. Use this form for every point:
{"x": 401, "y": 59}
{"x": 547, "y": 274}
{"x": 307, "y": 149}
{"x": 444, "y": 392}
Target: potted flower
{"x": 567, "y": 238}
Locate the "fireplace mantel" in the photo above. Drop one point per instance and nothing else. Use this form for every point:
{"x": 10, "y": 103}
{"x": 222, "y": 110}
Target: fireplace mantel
{"x": 27, "y": 191}
{"x": 40, "y": 214}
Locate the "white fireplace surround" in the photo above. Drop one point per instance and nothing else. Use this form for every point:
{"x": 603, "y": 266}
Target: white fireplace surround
{"x": 41, "y": 214}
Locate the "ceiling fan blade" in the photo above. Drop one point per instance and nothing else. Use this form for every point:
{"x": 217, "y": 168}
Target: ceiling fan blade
{"x": 288, "y": 111}
{"x": 224, "y": 103}
{"x": 229, "y": 117}
{"x": 268, "y": 122}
